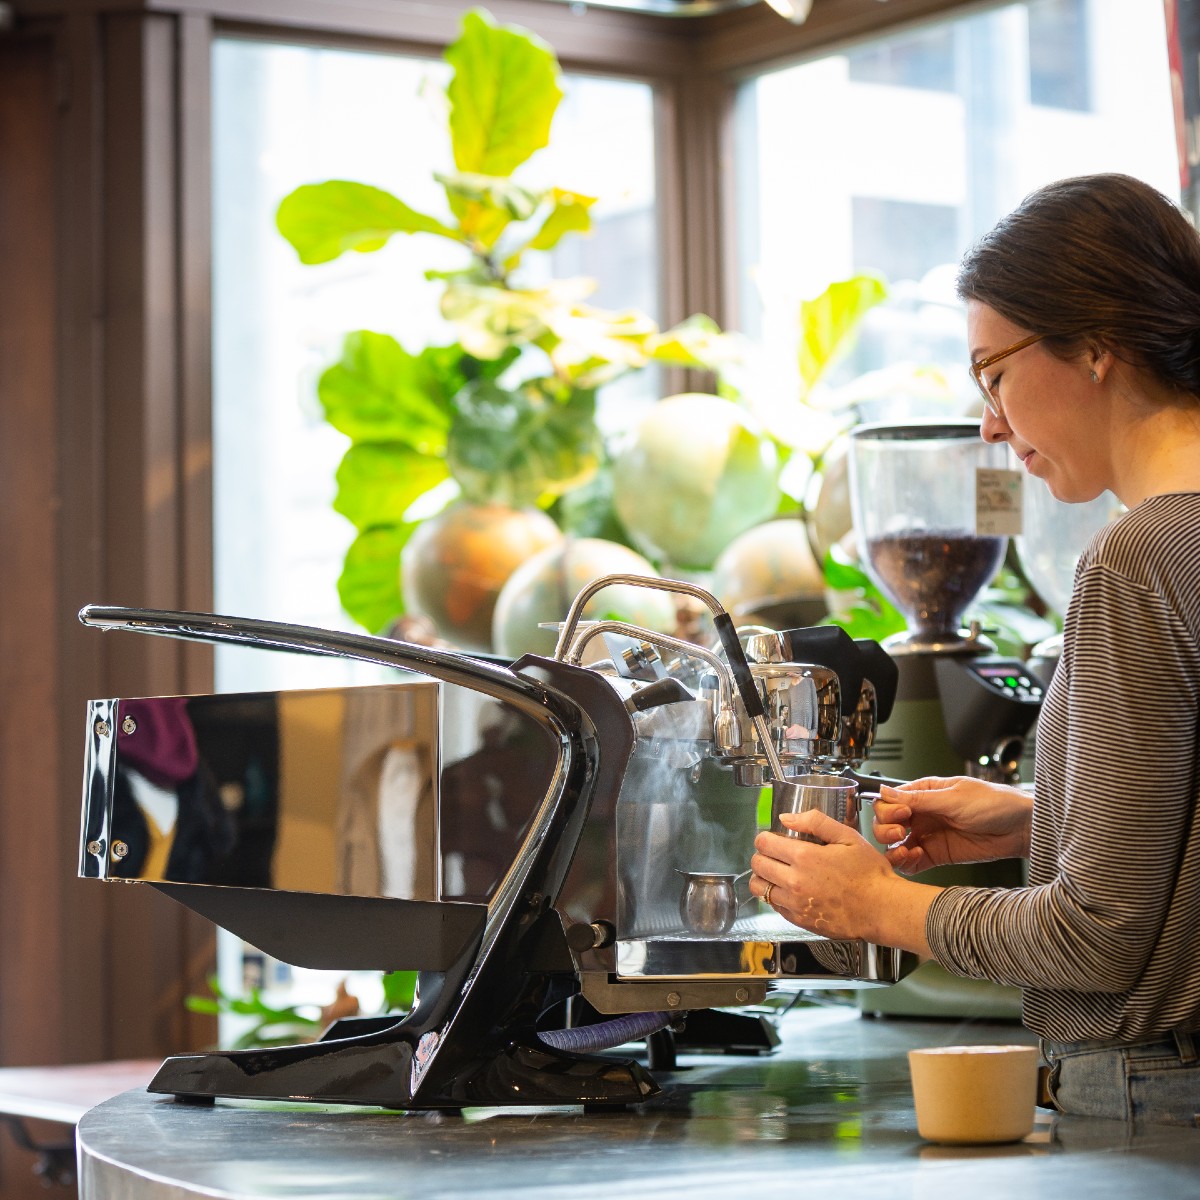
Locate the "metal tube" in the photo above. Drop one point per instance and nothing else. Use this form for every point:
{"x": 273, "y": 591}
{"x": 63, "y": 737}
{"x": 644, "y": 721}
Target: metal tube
{"x": 567, "y": 632}
{"x": 448, "y": 666}
{"x": 574, "y": 655}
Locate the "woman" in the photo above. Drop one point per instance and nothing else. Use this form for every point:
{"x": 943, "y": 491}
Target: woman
{"x": 1083, "y": 310}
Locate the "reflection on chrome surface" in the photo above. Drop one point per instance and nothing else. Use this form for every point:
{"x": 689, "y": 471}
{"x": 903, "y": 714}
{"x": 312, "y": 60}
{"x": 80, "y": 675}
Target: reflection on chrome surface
{"x": 344, "y": 791}
{"x": 330, "y": 791}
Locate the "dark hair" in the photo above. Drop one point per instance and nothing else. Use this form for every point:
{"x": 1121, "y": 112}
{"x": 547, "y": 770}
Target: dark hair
{"x": 1098, "y": 260}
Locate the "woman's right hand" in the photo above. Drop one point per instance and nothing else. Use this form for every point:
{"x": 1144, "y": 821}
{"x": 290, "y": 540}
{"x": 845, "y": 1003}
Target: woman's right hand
{"x": 934, "y": 822}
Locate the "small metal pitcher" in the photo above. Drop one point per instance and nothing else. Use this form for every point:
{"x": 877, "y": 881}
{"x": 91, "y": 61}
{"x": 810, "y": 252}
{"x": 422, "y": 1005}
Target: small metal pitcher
{"x": 709, "y": 903}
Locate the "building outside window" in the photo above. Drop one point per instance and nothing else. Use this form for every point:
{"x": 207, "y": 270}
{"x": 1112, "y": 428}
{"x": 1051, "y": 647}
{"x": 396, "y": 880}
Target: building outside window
{"x": 895, "y": 156}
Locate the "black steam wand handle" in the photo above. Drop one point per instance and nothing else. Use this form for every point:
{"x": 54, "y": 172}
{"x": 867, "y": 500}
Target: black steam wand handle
{"x": 743, "y": 677}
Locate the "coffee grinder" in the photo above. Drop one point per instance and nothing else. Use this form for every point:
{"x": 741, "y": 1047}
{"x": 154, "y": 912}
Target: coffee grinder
{"x": 933, "y": 508}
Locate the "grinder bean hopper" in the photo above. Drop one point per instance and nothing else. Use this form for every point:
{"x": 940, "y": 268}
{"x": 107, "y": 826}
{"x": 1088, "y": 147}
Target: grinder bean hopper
{"x": 915, "y": 494}
{"x": 533, "y": 882}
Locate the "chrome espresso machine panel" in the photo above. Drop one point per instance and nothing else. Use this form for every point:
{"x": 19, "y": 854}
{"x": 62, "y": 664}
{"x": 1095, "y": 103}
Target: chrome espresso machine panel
{"x": 573, "y": 879}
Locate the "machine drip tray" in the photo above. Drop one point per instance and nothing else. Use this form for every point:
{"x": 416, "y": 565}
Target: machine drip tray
{"x": 769, "y": 927}
{"x": 758, "y": 947}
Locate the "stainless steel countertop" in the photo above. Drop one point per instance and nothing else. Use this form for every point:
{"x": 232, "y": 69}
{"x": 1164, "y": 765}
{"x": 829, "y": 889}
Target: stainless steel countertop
{"x": 828, "y": 1114}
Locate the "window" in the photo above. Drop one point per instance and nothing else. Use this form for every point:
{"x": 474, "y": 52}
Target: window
{"x": 845, "y": 169}
{"x": 287, "y": 115}
{"x": 924, "y": 59}
{"x": 899, "y": 238}
{"x": 1059, "y": 60}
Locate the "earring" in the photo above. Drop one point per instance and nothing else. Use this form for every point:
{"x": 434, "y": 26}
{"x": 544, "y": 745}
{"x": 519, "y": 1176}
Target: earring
{"x": 1095, "y": 377}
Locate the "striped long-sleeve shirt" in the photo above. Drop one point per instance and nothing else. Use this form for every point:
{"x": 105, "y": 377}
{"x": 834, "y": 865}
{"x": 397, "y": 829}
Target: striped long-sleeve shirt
{"x": 1105, "y": 940}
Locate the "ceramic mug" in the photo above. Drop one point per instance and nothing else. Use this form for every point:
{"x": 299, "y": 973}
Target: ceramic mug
{"x": 967, "y": 1094}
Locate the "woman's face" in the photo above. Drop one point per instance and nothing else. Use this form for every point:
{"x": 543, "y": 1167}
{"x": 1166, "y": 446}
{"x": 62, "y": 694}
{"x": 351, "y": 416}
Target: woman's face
{"x": 1051, "y": 408}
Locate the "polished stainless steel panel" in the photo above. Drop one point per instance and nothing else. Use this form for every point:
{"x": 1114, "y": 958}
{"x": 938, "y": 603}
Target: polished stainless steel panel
{"x": 97, "y": 788}
{"x": 672, "y": 820}
{"x": 834, "y": 795}
{"x": 803, "y": 712}
{"x": 331, "y": 791}
{"x": 858, "y": 729}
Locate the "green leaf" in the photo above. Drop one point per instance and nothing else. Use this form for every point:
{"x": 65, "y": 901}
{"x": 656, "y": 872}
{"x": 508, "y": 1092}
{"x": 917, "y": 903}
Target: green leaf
{"x": 828, "y": 323}
{"x": 378, "y": 392}
{"x": 869, "y": 613}
{"x": 201, "y": 1004}
{"x": 369, "y": 585}
{"x": 399, "y": 990}
{"x": 587, "y": 511}
{"x": 503, "y": 95}
{"x": 517, "y": 202}
{"x": 591, "y": 346}
{"x": 1014, "y": 627}
{"x": 696, "y": 342}
{"x": 489, "y": 320}
{"x": 842, "y": 575}
{"x": 516, "y": 447}
{"x": 866, "y": 619}
{"x": 789, "y": 506}
{"x": 485, "y": 205}
{"x": 569, "y": 215}
{"x": 324, "y": 220}
{"x": 378, "y": 482}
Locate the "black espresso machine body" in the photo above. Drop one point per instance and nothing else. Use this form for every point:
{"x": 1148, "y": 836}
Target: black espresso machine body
{"x": 286, "y": 853}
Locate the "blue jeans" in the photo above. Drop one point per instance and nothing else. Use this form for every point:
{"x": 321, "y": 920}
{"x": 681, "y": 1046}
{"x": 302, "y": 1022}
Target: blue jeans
{"x": 1156, "y": 1081}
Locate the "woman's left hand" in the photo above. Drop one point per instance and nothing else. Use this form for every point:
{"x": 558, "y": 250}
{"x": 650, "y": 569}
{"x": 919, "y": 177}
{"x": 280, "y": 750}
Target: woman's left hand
{"x": 840, "y": 886}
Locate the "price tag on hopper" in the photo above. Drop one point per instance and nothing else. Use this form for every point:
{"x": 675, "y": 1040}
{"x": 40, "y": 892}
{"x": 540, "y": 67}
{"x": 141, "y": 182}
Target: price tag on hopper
{"x": 997, "y": 502}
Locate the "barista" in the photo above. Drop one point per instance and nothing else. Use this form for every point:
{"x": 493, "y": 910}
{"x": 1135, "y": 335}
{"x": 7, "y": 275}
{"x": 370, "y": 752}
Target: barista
{"x": 1083, "y": 313}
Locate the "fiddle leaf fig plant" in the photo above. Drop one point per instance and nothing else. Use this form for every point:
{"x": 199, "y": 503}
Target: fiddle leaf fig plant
{"x": 829, "y": 323}
{"x": 505, "y": 413}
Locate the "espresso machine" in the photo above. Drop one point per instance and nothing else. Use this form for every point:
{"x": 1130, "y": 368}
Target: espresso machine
{"x": 933, "y": 506}
{"x": 607, "y": 817}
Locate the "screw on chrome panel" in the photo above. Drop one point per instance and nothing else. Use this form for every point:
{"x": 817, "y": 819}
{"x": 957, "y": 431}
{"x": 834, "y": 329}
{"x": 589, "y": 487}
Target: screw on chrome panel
{"x": 672, "y": 999}
{"x": 129, "y": 725}
{"x": 95, "y": 846}
{"x": 120, "y": 849}
{"x": 102, "y": 728}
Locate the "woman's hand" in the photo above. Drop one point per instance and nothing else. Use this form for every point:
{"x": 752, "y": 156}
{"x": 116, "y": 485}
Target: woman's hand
{"x": 840, "y": 886}
{"x": 933, "y": 822}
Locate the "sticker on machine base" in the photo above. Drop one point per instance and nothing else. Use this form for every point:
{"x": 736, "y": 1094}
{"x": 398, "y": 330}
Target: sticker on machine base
{"x": 997, "y": 502}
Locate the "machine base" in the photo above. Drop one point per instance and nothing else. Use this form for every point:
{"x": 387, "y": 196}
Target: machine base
{"x": 381, "y": 1070}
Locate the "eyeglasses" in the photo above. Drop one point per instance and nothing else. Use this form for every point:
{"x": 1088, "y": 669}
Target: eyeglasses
{"x": 990, "y": 398}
